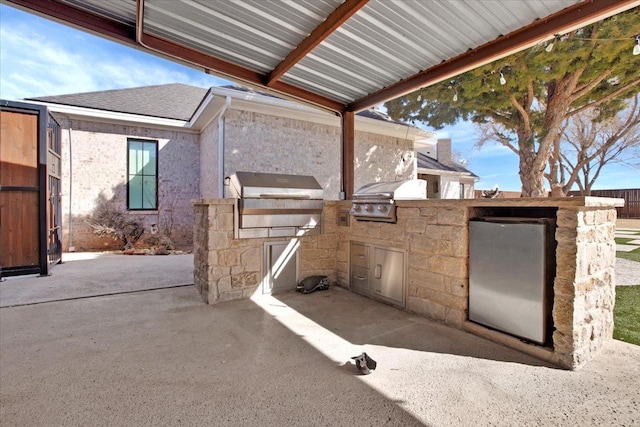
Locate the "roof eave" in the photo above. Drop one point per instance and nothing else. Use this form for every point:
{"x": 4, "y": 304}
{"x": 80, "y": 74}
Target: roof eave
{"x": 111, "y": 116}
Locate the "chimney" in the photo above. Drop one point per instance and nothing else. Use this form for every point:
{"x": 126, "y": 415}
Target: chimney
{"x": 444, "y": 151}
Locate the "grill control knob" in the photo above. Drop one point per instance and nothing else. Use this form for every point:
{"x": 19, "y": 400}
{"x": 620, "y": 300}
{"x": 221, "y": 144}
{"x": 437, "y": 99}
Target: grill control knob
{"x": 356, "y": 208}
{"x": 382, "y": 208}
{"x": 368, "y": 208}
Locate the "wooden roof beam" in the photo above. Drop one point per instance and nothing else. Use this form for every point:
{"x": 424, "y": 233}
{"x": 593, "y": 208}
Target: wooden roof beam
{"x": 225, "y": 68}
{"x": 78, "y": 18}
{"x": 338, "y": 17}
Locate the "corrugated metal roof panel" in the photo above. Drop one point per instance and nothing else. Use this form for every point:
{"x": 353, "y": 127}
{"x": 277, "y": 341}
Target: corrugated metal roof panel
{"x": 123, "y": 11}
{"x": 383, "y": 43}
{"x": 256, "y": 34}
{"x": 389, "y": 40}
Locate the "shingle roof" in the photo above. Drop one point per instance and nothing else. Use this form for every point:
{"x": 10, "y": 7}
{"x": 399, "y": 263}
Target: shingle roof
{"x": 426, "y": 162}
{"x": 379, "y": 115}
{"x": 170, "y": 101}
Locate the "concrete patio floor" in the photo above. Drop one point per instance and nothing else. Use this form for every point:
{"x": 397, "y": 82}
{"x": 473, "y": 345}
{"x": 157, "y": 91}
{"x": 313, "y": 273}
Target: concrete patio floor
{"x": 84, "y": 274}
{"x": 163, "y": 357}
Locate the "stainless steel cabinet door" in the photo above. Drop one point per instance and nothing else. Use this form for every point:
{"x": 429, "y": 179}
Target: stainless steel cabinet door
{"x": 360, "y": 278}
{"x": 387, "y": 277}
{"x": 281, "y": 266}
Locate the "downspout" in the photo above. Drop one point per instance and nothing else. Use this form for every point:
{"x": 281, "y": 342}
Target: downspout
{"x": 71, "y": 247}
{"x": 342, "y": 195}
{"x": 221, "y": 146}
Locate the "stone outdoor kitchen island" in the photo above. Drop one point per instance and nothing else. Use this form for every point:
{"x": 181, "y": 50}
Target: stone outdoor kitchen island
{"x": 433, "y": 235}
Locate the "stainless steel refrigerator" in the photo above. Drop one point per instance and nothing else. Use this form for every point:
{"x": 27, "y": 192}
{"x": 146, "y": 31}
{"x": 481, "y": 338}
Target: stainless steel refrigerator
{"x": 511, "y": 273}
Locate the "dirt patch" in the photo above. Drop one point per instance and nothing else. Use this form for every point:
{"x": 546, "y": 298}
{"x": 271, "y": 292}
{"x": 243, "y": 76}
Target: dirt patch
{"x": 628, "y": 223}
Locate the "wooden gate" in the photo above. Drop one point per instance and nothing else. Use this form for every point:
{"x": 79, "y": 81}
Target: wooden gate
{"x": 30, "y": 167}
{"x": 54, "y": 192}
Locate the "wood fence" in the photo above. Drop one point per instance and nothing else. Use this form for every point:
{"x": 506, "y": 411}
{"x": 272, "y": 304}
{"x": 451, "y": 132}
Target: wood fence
{"x": 631, "y": 198}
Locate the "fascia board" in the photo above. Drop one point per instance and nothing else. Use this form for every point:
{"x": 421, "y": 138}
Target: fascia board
{"x": 443, "y": 173}
{"x": 114, "y": 117}
{"x": 396, "y": 130}
{"x": 206, "y": 112}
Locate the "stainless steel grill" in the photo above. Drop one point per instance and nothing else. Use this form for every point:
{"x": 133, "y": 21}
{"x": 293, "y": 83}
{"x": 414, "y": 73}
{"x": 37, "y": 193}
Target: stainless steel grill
{"x": 376, "y": 201}
{"x": 275, "y": 205}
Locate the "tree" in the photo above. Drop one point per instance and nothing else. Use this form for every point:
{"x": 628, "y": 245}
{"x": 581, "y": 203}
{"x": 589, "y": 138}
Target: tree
{"x": 523, "y": 100}
{"x": 588, "y": 144}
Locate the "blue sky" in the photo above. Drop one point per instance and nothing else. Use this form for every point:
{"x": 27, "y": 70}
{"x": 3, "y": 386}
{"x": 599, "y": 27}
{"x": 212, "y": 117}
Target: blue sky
{"x": 39, "y": 57}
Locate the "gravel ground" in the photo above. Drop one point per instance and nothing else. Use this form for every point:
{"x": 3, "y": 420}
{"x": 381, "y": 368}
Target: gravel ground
{"x": 627, "y": 272}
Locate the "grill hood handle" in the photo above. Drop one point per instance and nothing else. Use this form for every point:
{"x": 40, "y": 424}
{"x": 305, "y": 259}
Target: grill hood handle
{"x": 373, "y": 195}
{"x": 284, "y": 196}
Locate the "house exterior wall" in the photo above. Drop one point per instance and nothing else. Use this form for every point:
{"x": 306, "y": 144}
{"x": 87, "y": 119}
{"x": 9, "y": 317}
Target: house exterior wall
{"x": 96, "y": 169}
{"x": 448, "y": 186}
{"x": 265, "y": 143}
{"x": 209, "y": 139}
{"x": 188, "y": 165}
{"x": 469, "y": 187}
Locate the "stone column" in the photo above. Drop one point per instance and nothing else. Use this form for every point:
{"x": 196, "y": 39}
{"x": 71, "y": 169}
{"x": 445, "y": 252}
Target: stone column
{"x": 584, "y": 289}
{"x": 212, "y": 239}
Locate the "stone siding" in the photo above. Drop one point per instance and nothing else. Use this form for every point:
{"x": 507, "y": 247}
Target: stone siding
{"x": 99, "y": 172}
{"x": 584, "y": 286}
{"x": 436, "y": 242}
{"x": 228, "y": 269}
{"x": 435, "y": 236}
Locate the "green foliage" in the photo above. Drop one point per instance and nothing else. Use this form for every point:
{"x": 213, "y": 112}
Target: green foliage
{"x": 627, "y": 314}
{"x": 634, "y": 255}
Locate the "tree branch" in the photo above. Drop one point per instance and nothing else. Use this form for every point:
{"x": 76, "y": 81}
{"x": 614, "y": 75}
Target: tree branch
{"x": 604, "y": 99}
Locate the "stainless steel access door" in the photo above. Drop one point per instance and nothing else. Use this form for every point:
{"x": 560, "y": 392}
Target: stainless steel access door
{"x": 507, "y": 277}
{"x": 281, "y": 266}
{"x": 387, "y": 278}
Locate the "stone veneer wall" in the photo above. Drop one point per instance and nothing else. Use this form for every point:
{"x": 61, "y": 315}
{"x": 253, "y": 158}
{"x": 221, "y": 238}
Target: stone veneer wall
{"x": 436, "y": 240}
{"x": 584, "y": 285}
{"x": 227, "y": 269}
{"x": 435, "y": 235}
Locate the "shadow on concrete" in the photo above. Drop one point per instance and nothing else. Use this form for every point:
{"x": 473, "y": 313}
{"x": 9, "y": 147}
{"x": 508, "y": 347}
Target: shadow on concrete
{"x": 365, "y": 322}
{"x": 164, "y": 357}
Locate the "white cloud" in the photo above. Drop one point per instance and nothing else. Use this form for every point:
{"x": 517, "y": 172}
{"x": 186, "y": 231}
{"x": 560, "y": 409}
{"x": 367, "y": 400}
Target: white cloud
{"x": 41, "y": 58}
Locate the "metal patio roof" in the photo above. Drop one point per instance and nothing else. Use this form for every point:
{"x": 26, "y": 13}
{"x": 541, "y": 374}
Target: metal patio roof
{"x": 341, "y": 55}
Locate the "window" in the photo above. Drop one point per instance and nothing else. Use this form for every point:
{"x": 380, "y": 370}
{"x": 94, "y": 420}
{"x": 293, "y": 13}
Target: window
{"x": 461, "y": 191}
{"x": 142, "y": 183}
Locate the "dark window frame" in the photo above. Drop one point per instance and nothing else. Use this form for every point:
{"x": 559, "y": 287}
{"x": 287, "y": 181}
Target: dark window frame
{"x": 129, "y": 175}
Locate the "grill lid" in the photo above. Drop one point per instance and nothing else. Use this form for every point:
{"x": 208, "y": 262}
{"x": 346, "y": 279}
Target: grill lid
{"x": 409, "y": 189}
{"x": 260, "y": 185}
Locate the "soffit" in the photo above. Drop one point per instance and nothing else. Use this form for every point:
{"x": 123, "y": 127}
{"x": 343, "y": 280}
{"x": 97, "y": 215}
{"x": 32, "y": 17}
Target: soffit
{"x": 342, "y": 55}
